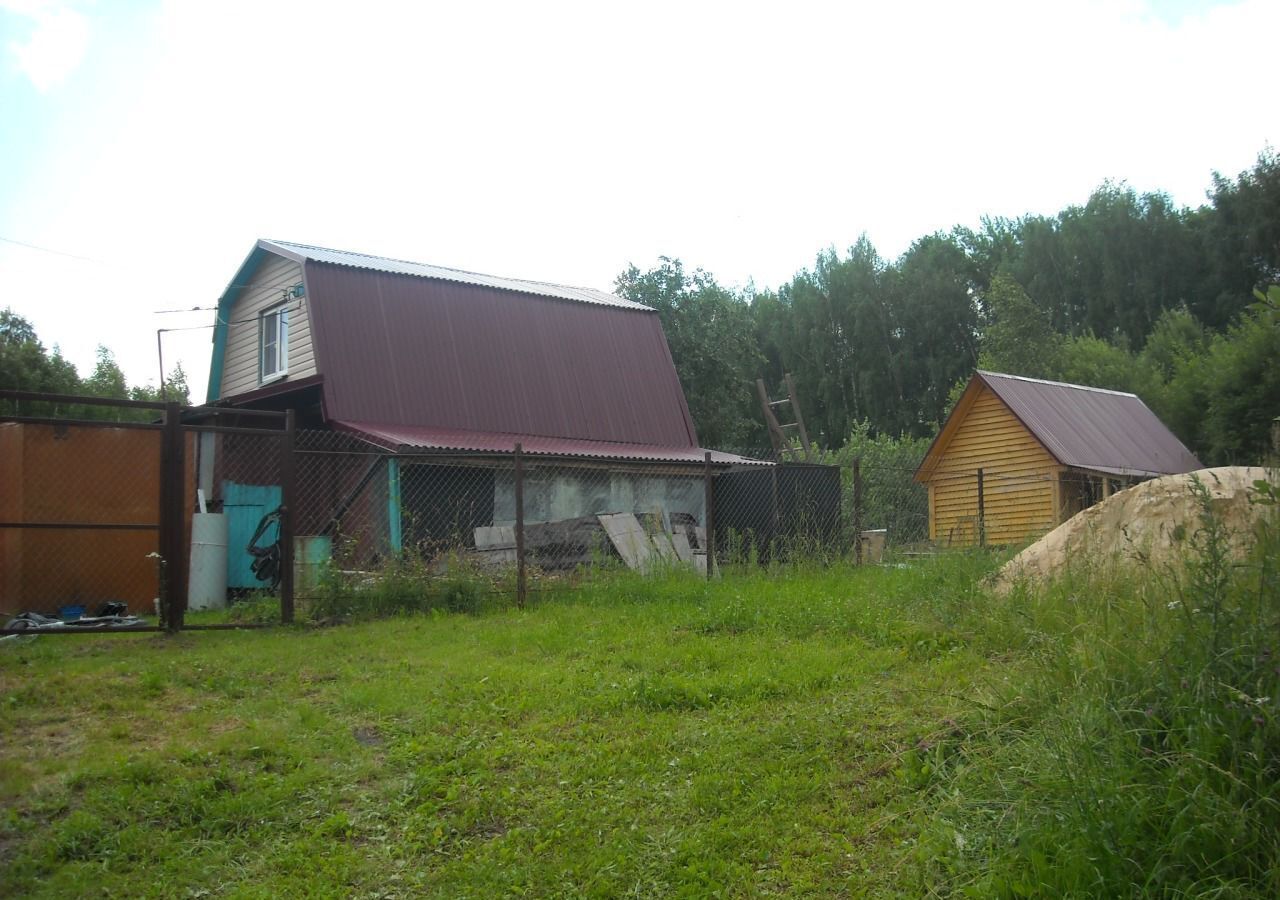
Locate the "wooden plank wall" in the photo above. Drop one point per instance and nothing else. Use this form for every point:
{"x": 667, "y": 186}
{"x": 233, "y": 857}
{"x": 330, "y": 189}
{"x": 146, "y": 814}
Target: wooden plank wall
{"x": 240, "y": 368}
{"x": 1019, "y": 478}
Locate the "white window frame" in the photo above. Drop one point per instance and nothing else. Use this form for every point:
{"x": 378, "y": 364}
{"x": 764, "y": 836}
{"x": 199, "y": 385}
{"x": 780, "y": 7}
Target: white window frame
{"x": 273, "y": 358}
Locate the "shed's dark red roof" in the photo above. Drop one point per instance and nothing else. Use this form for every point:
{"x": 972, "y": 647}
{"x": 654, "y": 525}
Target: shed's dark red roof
{"x": 1087, "y": 427}
{"x": 1091, "y": 428}
{"x": 418, "y": 351}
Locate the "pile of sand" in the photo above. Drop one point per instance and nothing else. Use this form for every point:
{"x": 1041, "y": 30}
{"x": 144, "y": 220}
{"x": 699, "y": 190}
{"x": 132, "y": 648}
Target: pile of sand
{"x": 1151, "y": 522}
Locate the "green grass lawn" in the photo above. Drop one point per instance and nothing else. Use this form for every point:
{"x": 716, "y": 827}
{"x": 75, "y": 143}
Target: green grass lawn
{"x": 883, "y": 731}
{"x": 660, "y": 738}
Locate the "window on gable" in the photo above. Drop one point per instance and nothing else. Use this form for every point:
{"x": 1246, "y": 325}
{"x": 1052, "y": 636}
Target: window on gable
{"x": 274, "y": 347}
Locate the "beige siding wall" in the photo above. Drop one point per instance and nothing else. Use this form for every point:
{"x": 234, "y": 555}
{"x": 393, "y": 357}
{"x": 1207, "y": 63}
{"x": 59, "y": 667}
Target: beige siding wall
{"x": 1018, "y": 479}
{"x": 240, "y": 367}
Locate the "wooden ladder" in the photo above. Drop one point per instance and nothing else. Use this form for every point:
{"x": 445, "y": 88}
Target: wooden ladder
{"x": 782, "y": 448}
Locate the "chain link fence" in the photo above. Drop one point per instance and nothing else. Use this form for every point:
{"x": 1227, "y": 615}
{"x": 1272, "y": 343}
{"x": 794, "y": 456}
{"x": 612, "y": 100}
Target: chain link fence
{"x": 424, "y": 529}
{"x": 404, "y": 529}
{"x": 382, "y": 530}
{"x": 1002, "y": 507}
{"x": 164, "y": 510}
{"x": 241, "y": 482}
{"x": 122, "y": 514}
{"x": 395, "y": 531}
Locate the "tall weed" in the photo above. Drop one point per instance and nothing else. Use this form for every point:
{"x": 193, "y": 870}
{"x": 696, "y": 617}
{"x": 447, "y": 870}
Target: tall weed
{"x": 1141, "y": 756}
{"x": 405, "y": 584}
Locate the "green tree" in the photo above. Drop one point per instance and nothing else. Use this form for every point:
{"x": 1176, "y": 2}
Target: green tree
{"x": 1243, "y": 384}
{"x": 107, "y": 378}
{"x": 711, "y": 334}
{"x": 1177, "y": 336}
{"x": 1019, "y": 338}
{"x": 25, "y": 365}
{"x": 1241, "y": 240}
{"x": 1090, "y": 360}
{"x": 176, "y": 389}
{"x": 1073, "y": 296}
{"x": 935, "y": 287}
{"x": 1172, "y": 363}
{"x": 1109, "y": 267}
{"x": 774, "y": 325}
{"x": 845, "y": 343}
{"x": 891, "y": 497}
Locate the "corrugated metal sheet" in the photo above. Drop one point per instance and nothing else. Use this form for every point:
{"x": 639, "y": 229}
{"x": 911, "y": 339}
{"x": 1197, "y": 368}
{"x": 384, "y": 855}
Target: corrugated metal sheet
{"x": 415, "y": 351}
{"x": 303, "y": 253}
{"x": 1092, "y": 428}
{"x": 398, "y": 437}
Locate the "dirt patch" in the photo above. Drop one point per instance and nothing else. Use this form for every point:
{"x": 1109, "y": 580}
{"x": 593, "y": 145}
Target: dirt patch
{"x": 369, "y": 736}
{"x": 57, "y": 735}
{"x": 1152, "y": 522}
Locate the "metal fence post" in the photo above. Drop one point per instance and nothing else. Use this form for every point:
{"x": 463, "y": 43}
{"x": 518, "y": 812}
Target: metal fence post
{"x": 173, "y": 600}
{"x": 710, "y": 502}
{"x": 288, "y": 503}
{"x": 521, "y": 586}
{"x": 777, "y": 512}
{"x": 857, "y": 510}
{"x": 982, "y": 513}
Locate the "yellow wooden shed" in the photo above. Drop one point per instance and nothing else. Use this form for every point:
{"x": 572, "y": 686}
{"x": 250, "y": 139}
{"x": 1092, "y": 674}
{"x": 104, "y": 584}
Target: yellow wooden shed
{"x": 1018, "y": 456}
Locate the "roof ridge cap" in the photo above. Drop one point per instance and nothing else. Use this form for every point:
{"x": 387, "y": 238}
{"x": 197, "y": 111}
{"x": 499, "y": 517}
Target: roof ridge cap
{"x": 1066, "y": 384}
{"x": 411, "y": 262}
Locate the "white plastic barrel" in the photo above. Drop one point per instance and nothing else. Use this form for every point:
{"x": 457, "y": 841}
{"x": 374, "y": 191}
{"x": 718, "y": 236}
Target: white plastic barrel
{"x": 207, "y": 578}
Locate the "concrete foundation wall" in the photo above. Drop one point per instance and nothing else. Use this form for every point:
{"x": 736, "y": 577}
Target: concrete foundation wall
{"x": 556, "y": 495}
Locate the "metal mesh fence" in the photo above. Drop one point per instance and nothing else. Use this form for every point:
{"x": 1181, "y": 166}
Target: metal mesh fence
{"x": 370, "y": 523}
{"x": 241, "y": 475}
{"x": 119, "y": 514}
{"x": 894, "y": 507}
{"x": 409, "y": 530}
{"x": 580, "y": 517}
{"x": 855, "y": 509}
{"x": 778, "y": 514}
{"x": 348, "y": 526}
{"x": 403, "y": 529}
{"x": 1005, "y": 506}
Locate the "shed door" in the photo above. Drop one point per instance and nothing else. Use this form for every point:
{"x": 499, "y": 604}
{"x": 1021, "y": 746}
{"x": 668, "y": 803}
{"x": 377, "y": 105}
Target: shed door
{"x": 245, "y": 505}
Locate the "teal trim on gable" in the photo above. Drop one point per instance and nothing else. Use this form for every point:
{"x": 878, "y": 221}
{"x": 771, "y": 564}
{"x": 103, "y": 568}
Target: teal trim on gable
{"x": 225, "y": 304}
{"x": 219, "y": 352}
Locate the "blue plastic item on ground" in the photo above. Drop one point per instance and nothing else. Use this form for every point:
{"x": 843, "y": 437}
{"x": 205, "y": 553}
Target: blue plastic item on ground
{"x": 70, "y": 613}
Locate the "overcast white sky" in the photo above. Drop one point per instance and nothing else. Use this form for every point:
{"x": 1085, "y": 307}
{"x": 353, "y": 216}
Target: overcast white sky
{"x": 151, "y": 143}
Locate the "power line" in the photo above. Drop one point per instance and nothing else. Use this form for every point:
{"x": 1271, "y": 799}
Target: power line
{"x": 218, "y": 321}
{"x": 49, "y": 250}
{"x": 207, "y": 308}
{"x": 189, "y": 328}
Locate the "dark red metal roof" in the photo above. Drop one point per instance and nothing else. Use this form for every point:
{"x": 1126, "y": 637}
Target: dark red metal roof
{"x": 405, "y": 350}
{"x": 409, "y": 437}
{"x": 1091, "y": 428}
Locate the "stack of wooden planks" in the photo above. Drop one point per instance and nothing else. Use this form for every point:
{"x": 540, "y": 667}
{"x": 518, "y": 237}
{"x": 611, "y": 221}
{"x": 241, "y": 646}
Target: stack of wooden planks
{"x": 669, "y": 540}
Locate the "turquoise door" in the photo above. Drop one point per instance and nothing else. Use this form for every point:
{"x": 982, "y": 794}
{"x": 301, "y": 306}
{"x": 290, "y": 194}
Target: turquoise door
{"x": 245, "y": 505}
